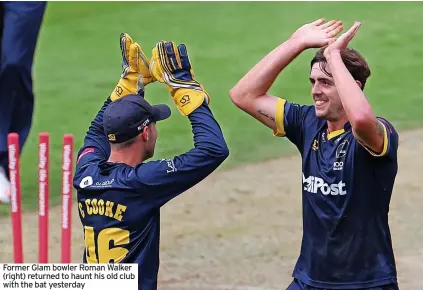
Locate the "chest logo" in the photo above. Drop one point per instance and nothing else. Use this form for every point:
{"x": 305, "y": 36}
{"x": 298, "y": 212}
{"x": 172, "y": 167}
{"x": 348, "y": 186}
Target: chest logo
{"x": 342, "y": 148}
{"x": 314, "y": 184}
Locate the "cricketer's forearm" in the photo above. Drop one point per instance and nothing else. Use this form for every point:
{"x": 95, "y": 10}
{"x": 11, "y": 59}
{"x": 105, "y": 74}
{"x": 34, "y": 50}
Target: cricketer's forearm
{"x": 358, "y": 109}
{"x": 95, "y": 136}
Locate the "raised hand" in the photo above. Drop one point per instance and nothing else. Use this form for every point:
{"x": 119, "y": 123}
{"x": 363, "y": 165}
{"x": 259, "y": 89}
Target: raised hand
{"x": 342, "y": 42}
{"x": 171, "y": 66}
{"x": 318, "y": 33}
{"x": 135, "y": 69}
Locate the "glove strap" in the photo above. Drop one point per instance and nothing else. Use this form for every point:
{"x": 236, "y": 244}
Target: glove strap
{"x": 131, "y": 84}
{"x": 187, "y": 100}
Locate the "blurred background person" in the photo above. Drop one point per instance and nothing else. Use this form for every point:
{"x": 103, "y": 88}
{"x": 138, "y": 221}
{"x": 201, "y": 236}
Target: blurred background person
{"x": 20, "y": 25}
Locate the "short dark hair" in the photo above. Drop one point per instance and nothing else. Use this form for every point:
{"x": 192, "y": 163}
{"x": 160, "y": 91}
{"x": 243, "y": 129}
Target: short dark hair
{"x": 353, "y": 60}
{"x": 124, "y": 144}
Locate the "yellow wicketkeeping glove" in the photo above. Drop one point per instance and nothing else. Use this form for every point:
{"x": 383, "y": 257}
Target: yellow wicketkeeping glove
{"x": 170, "y": 65}
{"x": 136, "y": 74}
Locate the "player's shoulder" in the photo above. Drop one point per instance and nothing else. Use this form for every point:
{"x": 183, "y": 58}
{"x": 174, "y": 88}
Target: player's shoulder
{"x": 147, "y": 171}
{"x": 310, "y": 119}
{"x": 306, "y": 113}
{"x": 305, "y": 110}
{"x": 390, "y": 145}
{"x": 297, "y": 106}
{"x": 86, "y": 157}
{"x": 122, "y": 175}
{"x": 102, "y": 175}
{"x": 86, "y": 162}
{"x": 388, "y": 125}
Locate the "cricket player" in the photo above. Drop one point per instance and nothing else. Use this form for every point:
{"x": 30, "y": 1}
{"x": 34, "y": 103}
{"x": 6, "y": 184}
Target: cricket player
{"x": 120, "y": 193}
{"x": 349, "y": 159}
{"x": 20, "y": 24}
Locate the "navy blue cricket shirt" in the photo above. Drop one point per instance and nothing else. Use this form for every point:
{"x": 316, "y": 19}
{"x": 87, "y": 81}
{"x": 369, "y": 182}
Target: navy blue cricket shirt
{"x": 346, "y": 191}
{"x": 119, "y": 205}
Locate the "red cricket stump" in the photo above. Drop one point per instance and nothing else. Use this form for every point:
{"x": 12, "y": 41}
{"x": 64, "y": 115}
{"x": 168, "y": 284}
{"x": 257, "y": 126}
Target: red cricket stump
{"x": 15, "y": 191}
{"x": 67, "y": 197}
{"x": 43, "y": 196}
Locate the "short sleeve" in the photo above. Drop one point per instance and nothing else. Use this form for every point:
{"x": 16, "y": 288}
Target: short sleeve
{"x": 290, "y": 119}
{"x": 279, "y": 118}
{"x": 390, "y": 141}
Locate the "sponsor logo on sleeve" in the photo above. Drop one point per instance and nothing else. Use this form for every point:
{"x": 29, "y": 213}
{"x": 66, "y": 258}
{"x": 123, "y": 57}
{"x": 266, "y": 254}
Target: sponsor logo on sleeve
{"x": 170, "y": 165}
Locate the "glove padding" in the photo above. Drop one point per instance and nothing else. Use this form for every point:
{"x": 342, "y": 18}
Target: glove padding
{"x": 135, "y": 65}
{"x": 170, "y": 65}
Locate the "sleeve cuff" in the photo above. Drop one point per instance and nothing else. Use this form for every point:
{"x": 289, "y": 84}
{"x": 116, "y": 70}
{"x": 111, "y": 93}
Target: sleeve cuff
{"x": 385, "y": 144}
{"x": 279, "y": 118}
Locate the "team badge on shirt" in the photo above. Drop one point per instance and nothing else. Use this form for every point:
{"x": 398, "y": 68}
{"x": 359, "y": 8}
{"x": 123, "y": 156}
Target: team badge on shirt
{"x": 341, "y": 151}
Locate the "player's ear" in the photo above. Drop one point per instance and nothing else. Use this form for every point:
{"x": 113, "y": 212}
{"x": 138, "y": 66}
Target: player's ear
{"x": 359, "y": 84}
{"x": 145, "y": 135}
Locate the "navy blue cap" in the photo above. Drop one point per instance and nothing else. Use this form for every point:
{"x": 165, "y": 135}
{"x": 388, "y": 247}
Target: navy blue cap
{"x": 126, "y": 117}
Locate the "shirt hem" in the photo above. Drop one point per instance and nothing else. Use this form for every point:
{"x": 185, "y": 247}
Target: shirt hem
{"x": 347, "y": 285}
